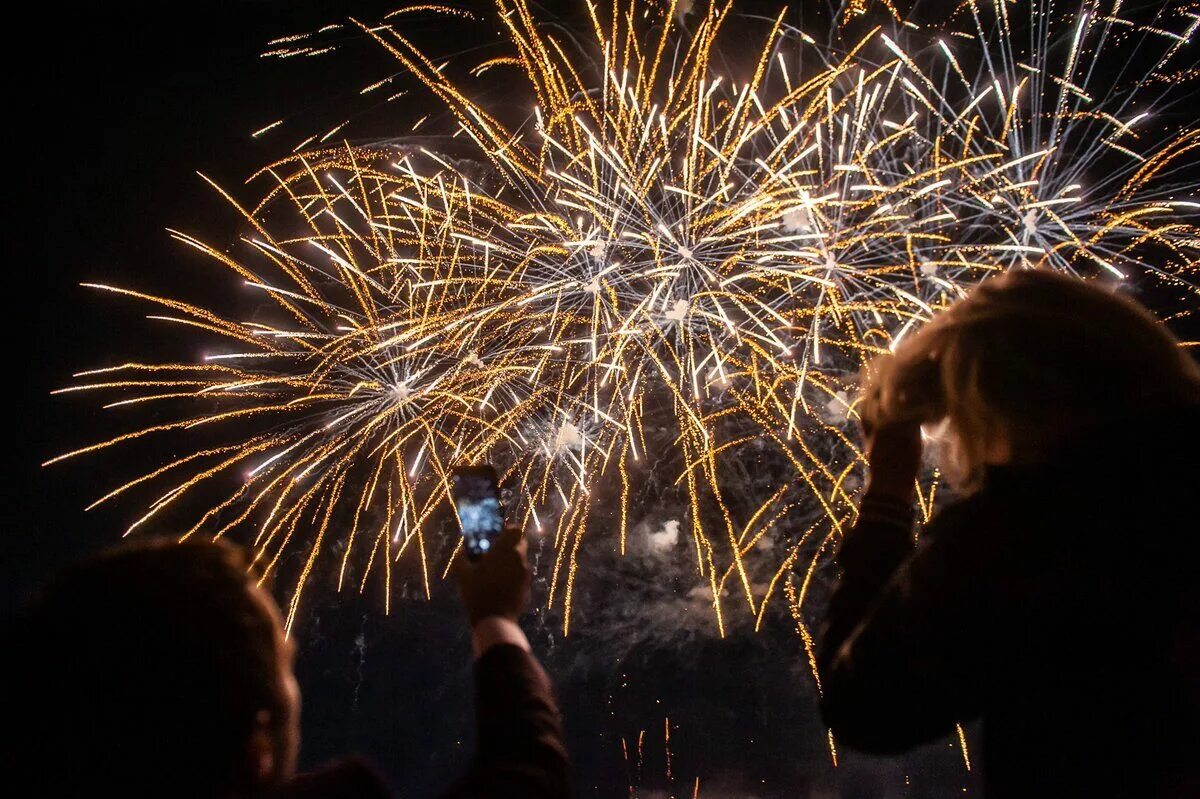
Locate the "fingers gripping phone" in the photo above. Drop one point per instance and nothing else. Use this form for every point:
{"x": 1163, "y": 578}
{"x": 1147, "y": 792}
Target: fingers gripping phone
{"x": 477, "y": 500}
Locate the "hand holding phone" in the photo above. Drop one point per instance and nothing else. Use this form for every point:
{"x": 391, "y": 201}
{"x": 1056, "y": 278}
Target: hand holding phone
{"x": 477, "y": 501}
{"x": 497, "y": 585}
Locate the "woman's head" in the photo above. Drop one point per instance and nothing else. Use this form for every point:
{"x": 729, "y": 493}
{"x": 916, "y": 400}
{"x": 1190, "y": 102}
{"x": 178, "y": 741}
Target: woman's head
{"x": 1025, "y": 360}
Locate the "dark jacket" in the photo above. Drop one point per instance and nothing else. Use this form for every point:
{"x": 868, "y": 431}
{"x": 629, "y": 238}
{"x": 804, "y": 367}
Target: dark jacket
{"x": 1059, "y": 603}
{"x": 520, "y": 750}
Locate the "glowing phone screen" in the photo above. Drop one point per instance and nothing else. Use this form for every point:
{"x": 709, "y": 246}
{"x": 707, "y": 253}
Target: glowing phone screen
{"x": 478, "y": 502}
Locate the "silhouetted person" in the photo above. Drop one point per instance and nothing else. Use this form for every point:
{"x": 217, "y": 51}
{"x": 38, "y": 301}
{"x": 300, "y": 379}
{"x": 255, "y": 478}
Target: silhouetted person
{"x": 161, "y": 669}
{"x": 1057, "y": 598}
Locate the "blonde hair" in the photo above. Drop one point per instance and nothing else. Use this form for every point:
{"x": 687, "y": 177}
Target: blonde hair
{"x": 1027, "y": 358}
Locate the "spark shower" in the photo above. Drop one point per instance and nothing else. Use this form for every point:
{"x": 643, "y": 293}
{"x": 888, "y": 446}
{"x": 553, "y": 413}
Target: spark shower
{"x": 668, "y": 274}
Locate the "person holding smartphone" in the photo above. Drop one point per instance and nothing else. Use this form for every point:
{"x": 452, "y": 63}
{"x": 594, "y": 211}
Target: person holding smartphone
{"x": 162, "y": 669}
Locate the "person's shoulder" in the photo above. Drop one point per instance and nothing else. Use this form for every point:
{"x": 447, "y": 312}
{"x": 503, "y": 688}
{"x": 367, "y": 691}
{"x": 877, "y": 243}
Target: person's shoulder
{"x": 351, "y": 777}
{"x": 983, "y": 508}
{"x": 976, "y": 530}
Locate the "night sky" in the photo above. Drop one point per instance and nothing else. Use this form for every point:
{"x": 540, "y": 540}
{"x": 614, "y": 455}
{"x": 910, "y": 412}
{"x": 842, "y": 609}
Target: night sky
{"x": 115, "y": 115}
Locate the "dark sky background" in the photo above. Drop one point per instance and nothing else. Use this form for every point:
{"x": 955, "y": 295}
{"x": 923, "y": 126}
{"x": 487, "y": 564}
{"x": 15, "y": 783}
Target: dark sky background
{"x": 114, "y": 112}
{"x": 115, "y": 108}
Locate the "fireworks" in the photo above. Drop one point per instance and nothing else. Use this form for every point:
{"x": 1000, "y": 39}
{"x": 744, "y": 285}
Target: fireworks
{"x": 668, "y": 275}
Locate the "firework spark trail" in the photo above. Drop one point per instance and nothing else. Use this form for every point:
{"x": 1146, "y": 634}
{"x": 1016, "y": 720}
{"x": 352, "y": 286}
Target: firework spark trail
{"x": 669, "y": 266}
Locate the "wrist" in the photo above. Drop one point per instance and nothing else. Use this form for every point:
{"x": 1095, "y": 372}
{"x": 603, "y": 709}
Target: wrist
{"x": 478, "y": 615}
{"x": 495, "y": 630}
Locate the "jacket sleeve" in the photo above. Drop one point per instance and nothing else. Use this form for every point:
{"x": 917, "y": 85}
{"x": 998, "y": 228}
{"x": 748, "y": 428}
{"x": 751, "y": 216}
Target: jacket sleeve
{"x": 899, "y": 656}
{"x": 520, "y": 746}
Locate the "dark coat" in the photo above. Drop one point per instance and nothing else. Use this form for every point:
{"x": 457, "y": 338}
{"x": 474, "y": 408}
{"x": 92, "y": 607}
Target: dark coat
{"x": 520, "y": 752}
{"x": 1059, "y": 604}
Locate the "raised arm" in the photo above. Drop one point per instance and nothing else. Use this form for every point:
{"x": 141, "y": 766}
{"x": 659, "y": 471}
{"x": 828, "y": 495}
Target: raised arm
{"x": 902, "y": 655}
{"x": 898, "y": 655}
{"x": 520, "y": 741}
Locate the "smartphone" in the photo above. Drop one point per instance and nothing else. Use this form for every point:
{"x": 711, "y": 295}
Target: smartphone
{"x": 477, "y": 499}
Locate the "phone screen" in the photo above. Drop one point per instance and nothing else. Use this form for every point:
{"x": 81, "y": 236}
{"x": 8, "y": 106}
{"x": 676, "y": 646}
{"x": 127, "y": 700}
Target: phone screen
{"x": 477, "y": 499}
